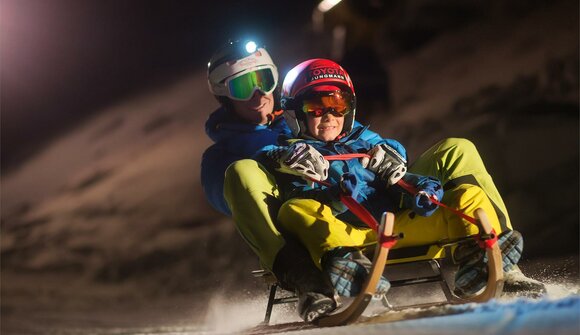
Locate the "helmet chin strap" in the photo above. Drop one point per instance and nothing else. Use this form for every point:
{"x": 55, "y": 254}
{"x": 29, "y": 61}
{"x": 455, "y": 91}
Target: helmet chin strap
{"x": 341, "y": 135}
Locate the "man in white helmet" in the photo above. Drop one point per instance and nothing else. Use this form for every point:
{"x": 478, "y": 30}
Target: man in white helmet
{"x": 244, "y": 79}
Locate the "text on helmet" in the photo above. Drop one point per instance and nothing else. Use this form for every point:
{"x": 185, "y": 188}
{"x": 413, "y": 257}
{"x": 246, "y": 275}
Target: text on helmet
{"x": 326, "y": 72}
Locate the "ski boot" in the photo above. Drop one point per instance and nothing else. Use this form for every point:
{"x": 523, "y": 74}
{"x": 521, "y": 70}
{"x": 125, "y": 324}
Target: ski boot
{"x": 471, "y": 277}
{"x": 296, "y": 272}
{"x": 347, "y": 269}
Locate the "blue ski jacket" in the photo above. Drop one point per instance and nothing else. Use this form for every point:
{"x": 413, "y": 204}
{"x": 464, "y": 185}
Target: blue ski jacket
{"x": 236, "y": 139}
{"x": 373, "y": 193}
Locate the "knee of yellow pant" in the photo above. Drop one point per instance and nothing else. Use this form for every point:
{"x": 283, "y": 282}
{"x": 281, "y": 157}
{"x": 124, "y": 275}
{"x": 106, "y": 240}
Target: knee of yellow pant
{"x": 471, "y": 197}
{"x": 249, "y": 175}
{"x": 291, "y": 209}
{"x": 299, "y": 212}
{"x": 466, "y": 196}
{"x": 460, "y": 144}
{"x": 238, "y": 169}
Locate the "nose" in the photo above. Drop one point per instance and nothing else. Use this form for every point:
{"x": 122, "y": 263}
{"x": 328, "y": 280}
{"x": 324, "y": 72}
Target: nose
{"x": 257, "y": 95}
{"x": 328, "y": 116}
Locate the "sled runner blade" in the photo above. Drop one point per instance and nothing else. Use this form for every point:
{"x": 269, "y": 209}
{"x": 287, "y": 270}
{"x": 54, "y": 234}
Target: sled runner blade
{"x": 351, "y": 313}
{"x": 495, "y": 278}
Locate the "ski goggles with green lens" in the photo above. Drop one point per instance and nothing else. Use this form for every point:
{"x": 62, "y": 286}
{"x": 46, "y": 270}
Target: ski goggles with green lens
{"x": 243, "y": 86}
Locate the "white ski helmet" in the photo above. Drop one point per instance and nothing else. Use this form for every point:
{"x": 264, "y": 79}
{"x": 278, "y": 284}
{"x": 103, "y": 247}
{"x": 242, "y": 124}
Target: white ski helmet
{"x": 314, "y": 75}
{"x": 240, "y": 68}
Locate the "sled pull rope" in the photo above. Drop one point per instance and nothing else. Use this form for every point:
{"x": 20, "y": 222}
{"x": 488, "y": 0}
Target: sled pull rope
{"x": 363, "y": 214}
{"x": 487, "y": 243}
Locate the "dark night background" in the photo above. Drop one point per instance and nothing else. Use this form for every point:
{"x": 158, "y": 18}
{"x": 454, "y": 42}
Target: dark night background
{"x": 62, "y": 60}
{"x": 103, "y": 105}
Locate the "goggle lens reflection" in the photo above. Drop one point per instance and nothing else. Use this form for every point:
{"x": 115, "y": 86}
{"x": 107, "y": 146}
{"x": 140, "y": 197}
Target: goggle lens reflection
{"x": 244, "y": 86}
{"x": 338, "y": 103}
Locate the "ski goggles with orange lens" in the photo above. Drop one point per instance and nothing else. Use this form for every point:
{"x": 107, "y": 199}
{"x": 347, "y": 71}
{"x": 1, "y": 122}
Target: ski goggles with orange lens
{"x": 337, "y": 103}
{"x": 243, "y": 87}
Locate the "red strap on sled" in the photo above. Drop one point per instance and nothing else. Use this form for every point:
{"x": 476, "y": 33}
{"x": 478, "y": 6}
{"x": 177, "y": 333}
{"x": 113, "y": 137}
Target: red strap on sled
{"x": 361, "y": 212}
{"x": 357, "y": 209}
{"x": 413, "y": 190}
{"x": 484, "y": 244}
{"x": 344, "y": 157}
{"x": 365, "y": 216}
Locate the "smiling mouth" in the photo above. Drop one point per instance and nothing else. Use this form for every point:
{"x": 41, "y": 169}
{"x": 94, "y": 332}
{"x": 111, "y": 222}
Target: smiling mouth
{"x": 259, "y": 107}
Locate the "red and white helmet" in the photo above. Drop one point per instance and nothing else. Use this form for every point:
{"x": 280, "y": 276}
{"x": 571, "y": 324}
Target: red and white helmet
{"x": 314, "y": 75}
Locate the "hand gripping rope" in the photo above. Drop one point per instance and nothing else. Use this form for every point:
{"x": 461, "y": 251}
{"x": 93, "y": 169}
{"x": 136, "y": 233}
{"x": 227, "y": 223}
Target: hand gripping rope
{"x": 361, "y": 212}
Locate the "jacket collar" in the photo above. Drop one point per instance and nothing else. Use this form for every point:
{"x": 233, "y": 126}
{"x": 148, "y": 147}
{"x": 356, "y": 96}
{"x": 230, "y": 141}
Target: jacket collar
{"x": 223, "y": 124}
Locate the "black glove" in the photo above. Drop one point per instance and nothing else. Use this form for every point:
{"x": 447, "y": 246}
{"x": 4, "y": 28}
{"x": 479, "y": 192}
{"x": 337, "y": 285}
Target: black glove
{"x": 386, "y": 162}
{"x": 301, "y": 159}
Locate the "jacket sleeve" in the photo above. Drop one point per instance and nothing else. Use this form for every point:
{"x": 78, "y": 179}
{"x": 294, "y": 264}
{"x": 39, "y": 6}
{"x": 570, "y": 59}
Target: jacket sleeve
{"x": 374, "y": 139}
{"x": 214, "y": 163}
{"x": 237, "y": 141}
{"x": 369, "y": 135}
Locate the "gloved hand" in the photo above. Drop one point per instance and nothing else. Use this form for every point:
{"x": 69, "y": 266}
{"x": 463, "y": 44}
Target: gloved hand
{"x": 427, "y": 187}
{"x": 301, "y": 159}
{"x": 386, "y": 162}
{"x": 349, "y": 184}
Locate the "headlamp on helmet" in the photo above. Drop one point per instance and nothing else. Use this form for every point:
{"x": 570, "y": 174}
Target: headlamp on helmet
{"x": 240, "y": 69}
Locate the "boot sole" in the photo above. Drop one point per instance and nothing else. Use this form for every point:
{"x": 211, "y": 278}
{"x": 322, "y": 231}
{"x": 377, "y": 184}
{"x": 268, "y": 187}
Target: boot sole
{"x": 319, "y": 309}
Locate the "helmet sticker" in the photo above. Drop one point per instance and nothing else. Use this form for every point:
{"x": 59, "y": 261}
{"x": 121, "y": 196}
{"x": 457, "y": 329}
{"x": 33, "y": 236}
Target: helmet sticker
{"x": 325, "y": 73}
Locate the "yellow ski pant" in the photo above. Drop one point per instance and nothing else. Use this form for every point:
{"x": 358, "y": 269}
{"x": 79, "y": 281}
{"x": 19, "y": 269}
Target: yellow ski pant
{"x": 260, "y": 214}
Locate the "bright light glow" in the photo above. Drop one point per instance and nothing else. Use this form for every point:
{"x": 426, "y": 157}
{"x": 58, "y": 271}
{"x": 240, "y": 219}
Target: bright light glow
{"x": 291, "y": 75}
{"x": 251, "y": 46}
{"x": 326, "y": 5}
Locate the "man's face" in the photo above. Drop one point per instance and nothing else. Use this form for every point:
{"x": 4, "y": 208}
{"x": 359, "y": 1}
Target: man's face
{"x": 256, "y": 109}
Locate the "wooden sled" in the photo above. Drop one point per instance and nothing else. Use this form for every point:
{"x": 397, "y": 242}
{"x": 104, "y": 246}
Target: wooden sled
{"x": 352, "y": 312}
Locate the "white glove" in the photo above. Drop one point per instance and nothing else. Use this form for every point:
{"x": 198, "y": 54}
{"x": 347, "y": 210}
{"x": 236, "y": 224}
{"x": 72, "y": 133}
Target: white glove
{"x": 386, "y": 162}
{"x": 302, "y": 160}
